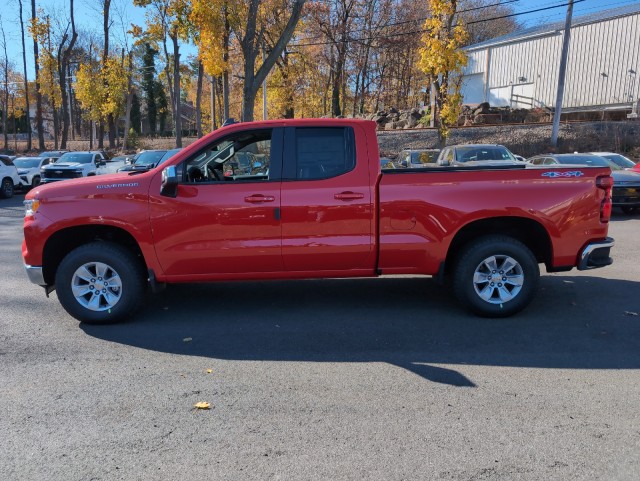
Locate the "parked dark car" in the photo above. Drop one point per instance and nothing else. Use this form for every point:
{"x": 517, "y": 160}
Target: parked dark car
{"x": 626, "y": 183}
{"x": 145, "y": 160}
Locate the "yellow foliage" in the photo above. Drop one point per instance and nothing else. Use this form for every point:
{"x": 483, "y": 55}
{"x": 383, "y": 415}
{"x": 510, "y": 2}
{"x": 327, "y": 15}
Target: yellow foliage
{"x": 442, "y": 58}
{"x": 101, "y": 89}
{"x": 207, "y": 19}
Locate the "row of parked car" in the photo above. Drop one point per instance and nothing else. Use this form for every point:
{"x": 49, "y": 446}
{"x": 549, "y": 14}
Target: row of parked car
{"x": 53, "y": 166}
{"x": 625, "y": 172}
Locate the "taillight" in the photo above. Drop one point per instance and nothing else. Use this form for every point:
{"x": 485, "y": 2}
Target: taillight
{"x": 605, "y": 183}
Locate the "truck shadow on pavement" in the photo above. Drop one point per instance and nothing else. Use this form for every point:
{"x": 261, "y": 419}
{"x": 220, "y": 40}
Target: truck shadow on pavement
{"x": 576, "y": 322}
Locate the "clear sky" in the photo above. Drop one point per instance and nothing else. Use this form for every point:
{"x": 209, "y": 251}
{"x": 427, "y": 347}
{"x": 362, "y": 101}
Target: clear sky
{"x": 88, "y": 16}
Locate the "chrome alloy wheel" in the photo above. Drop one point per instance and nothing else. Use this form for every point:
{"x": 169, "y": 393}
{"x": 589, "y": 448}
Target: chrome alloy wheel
{"x": 96, "y": 286}
{"x": 498, "y": 279}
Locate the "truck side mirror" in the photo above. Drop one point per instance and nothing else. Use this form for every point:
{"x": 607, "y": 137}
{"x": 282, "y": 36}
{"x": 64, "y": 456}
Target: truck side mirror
{"x": 169, "y": 185}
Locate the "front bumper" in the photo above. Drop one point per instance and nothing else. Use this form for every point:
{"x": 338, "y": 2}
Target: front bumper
{"x": 35, "y": 275}
{"x": 596, "y": 254}
{"x": 628, "y": 196}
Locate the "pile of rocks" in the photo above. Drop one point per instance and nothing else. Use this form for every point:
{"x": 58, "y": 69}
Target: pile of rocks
{"x": 484, "y": 114}
{"x": 481, "y": 114}
{"x": 398, "y": 119}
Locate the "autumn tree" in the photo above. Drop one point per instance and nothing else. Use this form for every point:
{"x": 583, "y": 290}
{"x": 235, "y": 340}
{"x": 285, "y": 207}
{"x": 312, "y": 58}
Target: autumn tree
{"x": 210, "y": 21}
{"x": 105, "y": 98}
{"x": 442, "y": 59}
{"x": 4, "y": 102}
{"x": 250, "y": 34}
{"x": 24, "y": 66}
{"x": 169, "y": 19}
{"x": 63, "y": 59}
{"x": 39, "y": 123}
{"x": 49, "y": 87}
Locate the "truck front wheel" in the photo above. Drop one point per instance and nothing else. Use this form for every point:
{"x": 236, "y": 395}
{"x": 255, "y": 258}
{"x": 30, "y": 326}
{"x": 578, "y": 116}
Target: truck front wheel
{"x": 100, "y": 283}
{"x": 496, "y": 276}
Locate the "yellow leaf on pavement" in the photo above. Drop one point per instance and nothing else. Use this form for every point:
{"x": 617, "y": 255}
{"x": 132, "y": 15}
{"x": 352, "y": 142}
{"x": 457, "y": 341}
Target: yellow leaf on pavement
{"x": 202, "y": 405}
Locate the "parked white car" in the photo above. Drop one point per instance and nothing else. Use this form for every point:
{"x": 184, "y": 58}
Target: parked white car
{"x": 29, "y": 169}
{"x": 72, "y": 165}
{"x": 9, "y": 178}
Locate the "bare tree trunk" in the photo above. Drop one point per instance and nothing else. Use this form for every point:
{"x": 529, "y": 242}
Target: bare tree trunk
{"x": 26, "y": 83}
{"x": 100, "y": 136}
{"x": 168, "y": 75}
{"x": 225, "y": 58}
{"x": 127, "y": 116}
{"x": 250, "y": 45}
{"x": 5, "y": 101}
{"x": 111, "y": 124}
{"x": 63, "y": 63}
{"x": 39, "y": 123}
{"x": 176, "y": 86}
{"x": 199, "y": 100}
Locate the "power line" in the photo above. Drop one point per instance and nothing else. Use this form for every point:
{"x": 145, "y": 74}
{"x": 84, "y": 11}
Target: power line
{"x": 348, "y": 40}
{"x": 422, "y": 19}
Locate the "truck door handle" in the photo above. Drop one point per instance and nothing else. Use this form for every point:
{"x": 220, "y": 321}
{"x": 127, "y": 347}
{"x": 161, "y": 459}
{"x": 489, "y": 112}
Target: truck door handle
{"x": 348, "y": 196}
{"x": 258, "y": 198}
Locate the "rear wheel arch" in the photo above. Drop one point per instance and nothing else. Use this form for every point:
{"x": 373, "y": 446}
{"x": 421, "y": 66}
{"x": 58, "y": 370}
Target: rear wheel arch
{"x": 527, "y": 231}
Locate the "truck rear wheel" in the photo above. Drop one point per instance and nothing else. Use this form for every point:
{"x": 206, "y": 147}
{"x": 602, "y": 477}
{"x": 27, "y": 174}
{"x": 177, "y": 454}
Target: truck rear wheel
{"x": 496, "y": 276}
{"x": 100, "y": 283}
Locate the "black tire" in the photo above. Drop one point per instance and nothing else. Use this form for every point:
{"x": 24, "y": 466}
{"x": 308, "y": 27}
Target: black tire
{"x": 35, "y": 181}
{"x": 114, "y": 302}
{"x": 494, "y": 293}
{"x": 6, "y": 188}
{"x": 629, "y": 210}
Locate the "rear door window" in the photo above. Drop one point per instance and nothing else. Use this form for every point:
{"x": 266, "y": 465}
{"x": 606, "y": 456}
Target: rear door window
{"x": 319, "y": 152}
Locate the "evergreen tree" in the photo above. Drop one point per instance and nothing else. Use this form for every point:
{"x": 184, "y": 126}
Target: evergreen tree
{"x": 149, "y": 86}
{"x": 162, "y": 105}
{"x": 135, "y": 113}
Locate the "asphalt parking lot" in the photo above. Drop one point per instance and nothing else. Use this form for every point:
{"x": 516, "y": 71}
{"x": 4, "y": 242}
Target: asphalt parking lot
{"x": 376, "y": 379}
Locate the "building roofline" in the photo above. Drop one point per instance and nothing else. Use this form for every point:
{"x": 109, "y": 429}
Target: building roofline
{"x": 556, "y": 27}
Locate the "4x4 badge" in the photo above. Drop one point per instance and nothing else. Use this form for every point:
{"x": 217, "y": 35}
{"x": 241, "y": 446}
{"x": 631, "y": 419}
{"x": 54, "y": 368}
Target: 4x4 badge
{"x": 573, "y": 173}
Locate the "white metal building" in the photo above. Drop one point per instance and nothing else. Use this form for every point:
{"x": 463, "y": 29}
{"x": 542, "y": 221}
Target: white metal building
{"x": 521, "y": 69}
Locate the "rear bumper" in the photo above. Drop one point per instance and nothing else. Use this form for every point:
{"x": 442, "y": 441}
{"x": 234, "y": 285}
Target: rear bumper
{"x": 596, "y": 254}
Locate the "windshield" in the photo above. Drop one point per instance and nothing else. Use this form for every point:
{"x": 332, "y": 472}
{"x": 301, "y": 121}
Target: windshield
{"x": 617, "y": 159}
{"x": 592, "y": 160}
{"x": 27, "y": 162}
{"x": 74, "y": 157}
{"x": 486, "y": 152}
{"x": 168, "y": 155}
{"x": 151, "y": 157}
{"x": 613, "y": 165}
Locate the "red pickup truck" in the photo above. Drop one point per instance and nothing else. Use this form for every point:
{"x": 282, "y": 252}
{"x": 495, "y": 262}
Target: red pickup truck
{"x": 297, "y": 199}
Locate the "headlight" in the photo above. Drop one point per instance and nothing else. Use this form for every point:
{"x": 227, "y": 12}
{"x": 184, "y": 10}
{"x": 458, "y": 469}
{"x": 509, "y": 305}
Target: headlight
{"x": 30, "y": 207}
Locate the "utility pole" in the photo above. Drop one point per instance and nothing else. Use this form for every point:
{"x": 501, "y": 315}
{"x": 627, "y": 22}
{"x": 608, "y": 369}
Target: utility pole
{"x": 561, "y": 75}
